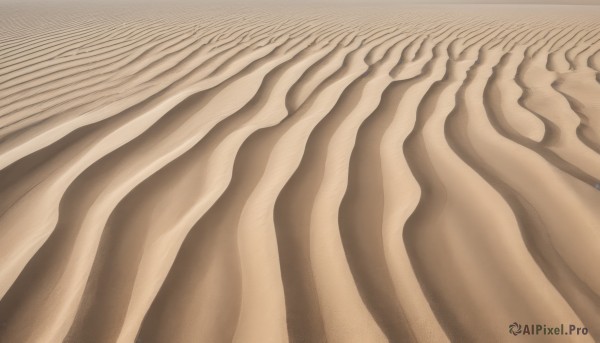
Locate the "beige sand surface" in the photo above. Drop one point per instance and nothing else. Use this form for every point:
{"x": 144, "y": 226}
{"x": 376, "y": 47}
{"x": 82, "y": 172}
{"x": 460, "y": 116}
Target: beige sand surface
{"x": 300, "y": 174}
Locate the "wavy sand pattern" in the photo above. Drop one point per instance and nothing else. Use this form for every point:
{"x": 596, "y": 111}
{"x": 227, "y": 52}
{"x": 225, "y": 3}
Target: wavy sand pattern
{"x": 304, "y": 174}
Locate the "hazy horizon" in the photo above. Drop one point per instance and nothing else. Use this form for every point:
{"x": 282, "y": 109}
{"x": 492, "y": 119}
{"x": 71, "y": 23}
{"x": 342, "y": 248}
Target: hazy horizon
{"x": 296, "y": 2}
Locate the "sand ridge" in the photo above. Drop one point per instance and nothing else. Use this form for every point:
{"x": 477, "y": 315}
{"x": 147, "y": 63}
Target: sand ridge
{"x": 301, "y": 174}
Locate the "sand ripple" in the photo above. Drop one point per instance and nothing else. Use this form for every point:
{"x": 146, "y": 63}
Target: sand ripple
{"x": 306, "y": 175}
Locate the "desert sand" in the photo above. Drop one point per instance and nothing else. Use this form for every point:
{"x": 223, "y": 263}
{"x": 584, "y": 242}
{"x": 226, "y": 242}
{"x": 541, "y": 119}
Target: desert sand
{"x": 298, "y": 174}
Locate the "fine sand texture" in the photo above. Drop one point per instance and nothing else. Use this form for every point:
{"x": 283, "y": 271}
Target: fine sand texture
{"x": 298, "y": 174}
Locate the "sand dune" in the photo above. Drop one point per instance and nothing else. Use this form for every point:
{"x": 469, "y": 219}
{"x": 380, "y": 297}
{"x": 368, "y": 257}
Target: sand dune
{"x": 315, "y": 174}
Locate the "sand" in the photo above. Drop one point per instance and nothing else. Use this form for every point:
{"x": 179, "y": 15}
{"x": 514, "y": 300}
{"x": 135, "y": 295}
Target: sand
{"x": 298, "y": 174}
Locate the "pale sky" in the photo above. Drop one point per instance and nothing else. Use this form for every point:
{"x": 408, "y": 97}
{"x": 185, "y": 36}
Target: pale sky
{"x": 559, "y": 2}
{"x": 553, "y": 2}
